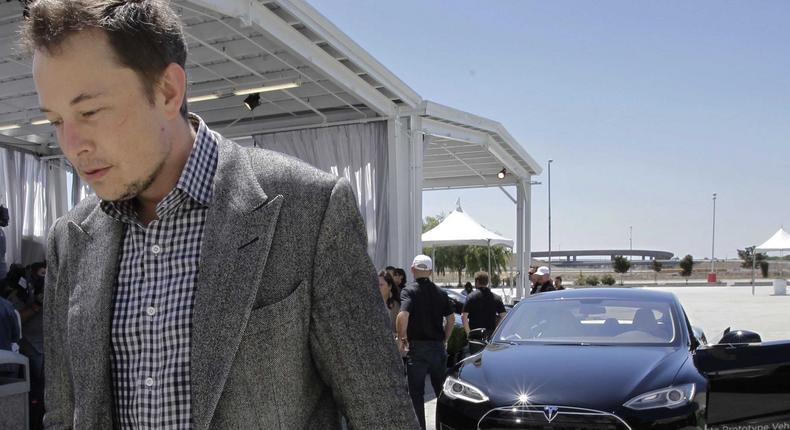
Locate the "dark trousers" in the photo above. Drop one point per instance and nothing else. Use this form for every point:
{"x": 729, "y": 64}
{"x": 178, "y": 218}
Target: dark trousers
{"x": 425, "y": 358}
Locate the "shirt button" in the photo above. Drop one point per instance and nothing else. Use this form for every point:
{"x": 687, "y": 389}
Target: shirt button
{"x": 156, "y": 249}
{"x": 151, "y": 311}
{"x": 149, "y": 382}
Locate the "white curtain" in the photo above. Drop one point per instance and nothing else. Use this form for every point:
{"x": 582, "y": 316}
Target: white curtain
{"x": 24, "y": 181}
{"x": 357, "y": 152}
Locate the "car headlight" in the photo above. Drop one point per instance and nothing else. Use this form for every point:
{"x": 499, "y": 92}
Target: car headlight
{"x": 455, "y": 388}
{"x": 671, "y": 397}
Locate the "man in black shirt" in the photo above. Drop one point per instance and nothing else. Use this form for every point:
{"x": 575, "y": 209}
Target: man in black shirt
{"x": 483, "y": 308}
{"x": 542, "y": 280}
{"x": 421, "y": 334}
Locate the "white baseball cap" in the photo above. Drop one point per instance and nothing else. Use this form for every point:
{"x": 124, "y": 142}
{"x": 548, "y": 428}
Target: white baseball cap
{"x": 542, "y": 270}
{"x": 422, "y": 262}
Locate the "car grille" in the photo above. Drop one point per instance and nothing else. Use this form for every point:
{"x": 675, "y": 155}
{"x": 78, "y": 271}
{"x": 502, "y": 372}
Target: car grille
{"x": 550, "y": 418}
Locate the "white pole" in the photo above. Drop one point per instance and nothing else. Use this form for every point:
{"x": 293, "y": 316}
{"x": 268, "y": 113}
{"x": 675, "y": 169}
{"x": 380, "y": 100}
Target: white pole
{"x": 713, "y": 239}
{"x": 489, "y": 257}
{"x": 754, "y": 262}
{"x": 550, "y": 161}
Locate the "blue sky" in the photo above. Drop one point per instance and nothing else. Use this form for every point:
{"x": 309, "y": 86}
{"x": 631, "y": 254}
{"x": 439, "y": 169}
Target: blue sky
{"x": 647, "y": 109}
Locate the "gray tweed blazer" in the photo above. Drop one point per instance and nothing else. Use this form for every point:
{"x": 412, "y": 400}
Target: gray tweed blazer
{"x": 289, "y": 329}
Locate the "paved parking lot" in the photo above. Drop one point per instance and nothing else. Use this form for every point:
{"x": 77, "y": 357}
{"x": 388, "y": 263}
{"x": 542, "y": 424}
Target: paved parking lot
{"x": 713, "y": 309}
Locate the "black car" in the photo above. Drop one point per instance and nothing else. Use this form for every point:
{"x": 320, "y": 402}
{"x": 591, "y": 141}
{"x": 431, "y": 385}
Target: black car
{"x": 613, "y": 359}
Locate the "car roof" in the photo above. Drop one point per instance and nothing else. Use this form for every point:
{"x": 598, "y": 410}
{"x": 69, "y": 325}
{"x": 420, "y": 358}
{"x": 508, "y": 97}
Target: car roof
{"x": 622, "y": 293}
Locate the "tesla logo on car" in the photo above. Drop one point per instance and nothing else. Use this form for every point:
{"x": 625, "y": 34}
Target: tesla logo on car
{"x": 550, "y": 412}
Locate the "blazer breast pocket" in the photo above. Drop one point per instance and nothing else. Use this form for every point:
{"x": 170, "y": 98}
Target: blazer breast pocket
{"x": 280, "y": 319}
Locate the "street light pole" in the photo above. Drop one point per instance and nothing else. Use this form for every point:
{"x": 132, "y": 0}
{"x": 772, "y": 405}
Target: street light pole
{"x": 550, "y": 161}
{"x": 713, "y": 238}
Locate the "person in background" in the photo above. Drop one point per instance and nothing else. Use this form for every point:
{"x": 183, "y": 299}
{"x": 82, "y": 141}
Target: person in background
{"x": 468, "y": 289}
{"x": 3, "y": 267}
{"x": 390, "y": 270}
{"x": 558, "y": 283}
{"x": 32, "y": 344}
{"x": 9, "y": 326}
{"x": 542, "y": 281}
{"x": 386, "y": 288}
{"x": 421, "y": 334}
{"x": 483, "y": 308}
{"x": 399, "y": 278}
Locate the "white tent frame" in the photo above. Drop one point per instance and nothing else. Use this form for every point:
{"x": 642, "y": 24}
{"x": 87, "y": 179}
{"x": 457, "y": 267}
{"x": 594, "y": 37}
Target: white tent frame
{"x": 430, "y": 146}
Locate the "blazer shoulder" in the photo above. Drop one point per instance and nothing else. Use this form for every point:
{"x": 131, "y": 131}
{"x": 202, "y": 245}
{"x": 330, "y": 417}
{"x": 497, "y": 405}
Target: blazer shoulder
{"x": 80, "y": 212}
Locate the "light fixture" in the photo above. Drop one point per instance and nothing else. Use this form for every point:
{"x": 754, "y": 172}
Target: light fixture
{"x": 252, "y": 101}
{"x": 502, "y": 173}
{"x": 40, "y": 122}
{"x": 8, "y": 127}
{"x": 202, "y": 98}
{"x": 266, "y": 89}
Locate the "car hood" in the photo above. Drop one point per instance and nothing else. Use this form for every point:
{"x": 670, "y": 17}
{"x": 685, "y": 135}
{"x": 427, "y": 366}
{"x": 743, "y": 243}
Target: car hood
{"x": 594, "y": 377}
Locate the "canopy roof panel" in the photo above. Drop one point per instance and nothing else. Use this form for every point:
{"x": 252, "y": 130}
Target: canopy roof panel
{"x": 234, "y": 45}
{"x": 780, "y": 241}
{"x": 459, "y": 228}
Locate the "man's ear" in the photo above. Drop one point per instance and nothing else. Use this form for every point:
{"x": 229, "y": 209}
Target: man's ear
{"x": 172, "y": 89}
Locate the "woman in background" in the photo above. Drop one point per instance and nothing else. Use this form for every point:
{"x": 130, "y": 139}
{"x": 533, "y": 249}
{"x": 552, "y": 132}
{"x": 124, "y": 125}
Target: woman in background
{"x": 387, "y": 289}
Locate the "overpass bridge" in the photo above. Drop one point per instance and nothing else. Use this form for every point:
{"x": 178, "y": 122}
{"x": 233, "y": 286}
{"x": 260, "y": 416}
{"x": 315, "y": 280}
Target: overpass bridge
{"x": 573, "y": 256}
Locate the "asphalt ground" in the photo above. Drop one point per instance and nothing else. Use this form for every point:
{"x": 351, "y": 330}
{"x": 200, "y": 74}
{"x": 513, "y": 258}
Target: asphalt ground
{"x": 712, "y": 309}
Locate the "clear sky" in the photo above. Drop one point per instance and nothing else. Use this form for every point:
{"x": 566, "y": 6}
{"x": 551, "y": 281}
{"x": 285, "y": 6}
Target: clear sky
{"x": 647, "y": 109}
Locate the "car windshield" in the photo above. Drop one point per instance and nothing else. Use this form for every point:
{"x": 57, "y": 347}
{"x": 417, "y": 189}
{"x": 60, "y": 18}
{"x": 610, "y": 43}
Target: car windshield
{"x": 590, "y": 321}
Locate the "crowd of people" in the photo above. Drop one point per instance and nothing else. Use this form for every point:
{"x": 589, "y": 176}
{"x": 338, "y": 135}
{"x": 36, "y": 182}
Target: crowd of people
{"x": 423, "y": 318}
{"x": 22, "y": 320}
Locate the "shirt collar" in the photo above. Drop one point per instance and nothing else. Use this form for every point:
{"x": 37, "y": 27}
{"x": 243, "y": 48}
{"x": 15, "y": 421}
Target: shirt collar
{"x": 196, "y": 180}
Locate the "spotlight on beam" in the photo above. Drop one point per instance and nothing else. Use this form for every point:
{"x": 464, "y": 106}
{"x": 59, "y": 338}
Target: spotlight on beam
{"x": 502, "y": 173}
{"x": 252, "y": 101}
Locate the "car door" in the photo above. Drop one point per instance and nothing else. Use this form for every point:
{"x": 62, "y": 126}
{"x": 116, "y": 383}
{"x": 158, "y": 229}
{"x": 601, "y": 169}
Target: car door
{"x": 747, "y": 382}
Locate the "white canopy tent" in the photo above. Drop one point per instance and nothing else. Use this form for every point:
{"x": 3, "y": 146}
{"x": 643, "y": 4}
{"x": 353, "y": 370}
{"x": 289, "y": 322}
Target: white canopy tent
{"x": 324, "y": 90}
{"x": 780, "y": 241}
{"x": 459, "y": 228}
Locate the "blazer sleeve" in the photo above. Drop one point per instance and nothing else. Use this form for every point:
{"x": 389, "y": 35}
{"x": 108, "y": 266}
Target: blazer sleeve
{"x": 58, "y": 390}
{"x": 350, "y": 337}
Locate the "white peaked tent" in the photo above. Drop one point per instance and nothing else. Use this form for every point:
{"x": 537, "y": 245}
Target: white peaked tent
{"x": 459, "y": 228}
{"x": 780, "y": 241}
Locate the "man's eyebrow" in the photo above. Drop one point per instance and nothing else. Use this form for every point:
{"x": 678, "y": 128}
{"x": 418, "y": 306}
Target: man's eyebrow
{"x": 85, "y": 96}
{"x": 76, "y": 100}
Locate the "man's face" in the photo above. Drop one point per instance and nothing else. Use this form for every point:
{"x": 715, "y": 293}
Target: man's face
{"x": 105, "y": 125}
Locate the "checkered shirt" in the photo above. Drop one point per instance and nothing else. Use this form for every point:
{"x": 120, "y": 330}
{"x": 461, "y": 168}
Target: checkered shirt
{"x": 154, "y": 292}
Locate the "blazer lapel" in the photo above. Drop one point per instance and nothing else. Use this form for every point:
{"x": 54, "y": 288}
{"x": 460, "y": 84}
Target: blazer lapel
{"x": 97, "y": 241}
{"x": 239, "y": 229}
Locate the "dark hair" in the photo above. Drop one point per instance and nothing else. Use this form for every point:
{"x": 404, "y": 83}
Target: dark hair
{"x": 393, "y": 289}
{"x": 145, "y": 35}
{"x": 482, "y": 278}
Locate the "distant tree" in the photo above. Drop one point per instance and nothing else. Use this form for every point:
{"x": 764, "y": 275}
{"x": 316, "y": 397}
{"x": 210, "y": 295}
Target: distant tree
{"x": 495, "y": 280}
{"x": 747, "y": 255}
{"x": 656, "y": 266}
{"x": 686, "y": 267}
{"x": 621, "y": 265}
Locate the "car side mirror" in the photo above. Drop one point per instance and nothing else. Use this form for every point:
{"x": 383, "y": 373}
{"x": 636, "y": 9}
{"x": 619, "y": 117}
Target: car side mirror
{"x": 739, "y": 336}
{"x": 478, "y": 339}
{"x": 699, "y": 338}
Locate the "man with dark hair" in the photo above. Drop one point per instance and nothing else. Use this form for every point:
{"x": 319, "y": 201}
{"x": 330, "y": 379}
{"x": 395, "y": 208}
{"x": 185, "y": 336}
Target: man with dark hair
{"x": 421, "y": 336}
{"x": 187, "y": 293}
{"x": 483, "y": 308}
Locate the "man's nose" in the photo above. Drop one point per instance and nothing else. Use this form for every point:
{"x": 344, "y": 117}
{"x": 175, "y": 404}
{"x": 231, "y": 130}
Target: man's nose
{"x": 72, "y": 139}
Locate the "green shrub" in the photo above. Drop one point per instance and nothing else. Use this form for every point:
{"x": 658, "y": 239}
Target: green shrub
{"x": 608, "y": 279}
{"x": 592, "y": 280}
{"x": 581, "y": 280}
